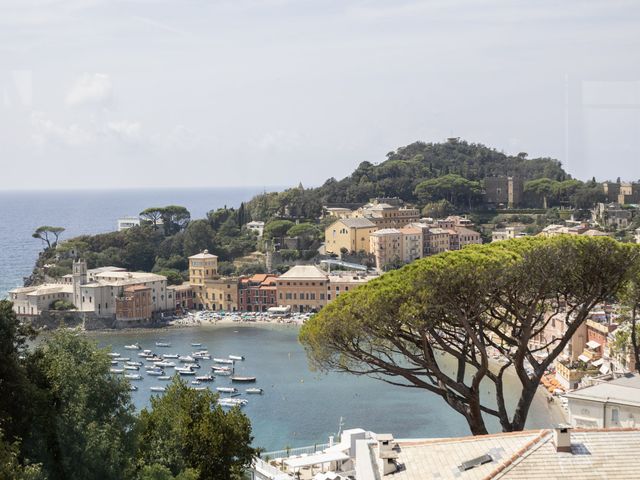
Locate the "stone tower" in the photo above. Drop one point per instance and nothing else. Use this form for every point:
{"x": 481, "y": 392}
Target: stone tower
{"x": 79, "y": 278}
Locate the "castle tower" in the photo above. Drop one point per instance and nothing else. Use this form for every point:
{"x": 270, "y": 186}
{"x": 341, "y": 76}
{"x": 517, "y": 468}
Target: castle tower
{"x": 79, "y": 278}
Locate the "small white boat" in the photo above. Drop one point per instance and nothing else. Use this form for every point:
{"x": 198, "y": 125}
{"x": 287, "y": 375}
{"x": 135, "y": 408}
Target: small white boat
{"x": 116, "y": 370}
{"x": 186, "y": 372}
{"x": 199, "y": 389}
{"x": 163, "y": 344}
{"x": 133, "y": 388}
{"x": 157, "y": 389}
{"x": 123, "y": 359}
{"x": 192, "y": 365}
{"x": 133, "y": 346}
{"x": 222, "y": 373}
{"x": 195, "y": 382}
{"x": 131, "y": 367}
{"x": 254, "y": 390}
{"x": 133, "y": 376}
{"x": 187, "y": 359}
{"x": 113, "y": 362}
{"x": 165, "y": 364}
{"x": 155, "y": 373}
{"x": 201, "y": 355}
{"x": 170, "y": 355}
{"x": 113, "y": 354}
{"x": 236, "y": 357}
{"x": 196, "y": 344}
{"x": 144, "y": 354}
{"x": 205, "y": 378}
{"x": 147, "y": 351}
{"x": 226, "y": 361}
{"x": 243, "y": 379}
{"x": 232, "y": 402}
{"x": 227, "y": 389}
{"x": 164, "y": 377}
{"x": 135, "y": 364}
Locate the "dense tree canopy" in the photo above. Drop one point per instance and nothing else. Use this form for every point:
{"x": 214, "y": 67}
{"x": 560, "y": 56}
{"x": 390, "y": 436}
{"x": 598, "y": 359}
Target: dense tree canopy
{"x": 463, "y": 304}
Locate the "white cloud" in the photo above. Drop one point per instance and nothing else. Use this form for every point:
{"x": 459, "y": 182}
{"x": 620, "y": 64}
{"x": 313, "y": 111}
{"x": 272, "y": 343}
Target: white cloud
{"x": 90, "y": 88}
{"x": 125, "y": 130}
{"x": 46, "y": 131}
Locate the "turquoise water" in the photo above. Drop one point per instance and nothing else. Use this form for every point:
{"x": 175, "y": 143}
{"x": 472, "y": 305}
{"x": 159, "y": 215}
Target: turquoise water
{"x": 300, "y": 407}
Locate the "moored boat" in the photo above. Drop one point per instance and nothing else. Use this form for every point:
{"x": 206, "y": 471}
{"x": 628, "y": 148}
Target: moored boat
{"x": 170, "y": 355}
{"x": 133, "y": 376}
{"x": 227, "y": 390}
{"x": 254, "y": 390}
{"x": 163, "y": 344}
{"x": 205, "y": 378}
{"x": 155, "y": 373}
{"x": 243, "y": 379}
{"x": 196, "y": 344}
{"x": 133, "y": 346}
{"x": 113, "y": 354}
{"x": 195, "y": 382}
{"x": 133, "y": 388}
{"x": 232, "y": 402}
{"x": 226, "y": 361}
{"x": 136, "y": 364}
{"x": 116, "y": 370}
{"x": 236, "y": 357}
{"x": 157, "y": 389}
{"x": 186, "y": 359}
{"x": 164, "y": 364}
{"x": 131, "y": 367}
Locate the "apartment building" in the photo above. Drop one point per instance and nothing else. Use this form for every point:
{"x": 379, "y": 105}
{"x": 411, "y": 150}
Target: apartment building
{"x": 386, "y": 246}
{"x": 350, "y": 234}
{"x": 257, "y": 293}
{"x": 343, "y": 281}
{"x": 411, "y": 243}
{"x": 304, "y": 288}
{"x": 508, "y": 233}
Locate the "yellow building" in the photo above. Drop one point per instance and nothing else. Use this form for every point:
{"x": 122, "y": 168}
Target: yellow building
{"x": 210, "y": 291}
{"x": 351, "y": 234}
{"x": 303, "y": 288}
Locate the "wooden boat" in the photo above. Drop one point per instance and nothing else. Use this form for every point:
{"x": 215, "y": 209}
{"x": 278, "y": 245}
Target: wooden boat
{"x": 243, "y": 379}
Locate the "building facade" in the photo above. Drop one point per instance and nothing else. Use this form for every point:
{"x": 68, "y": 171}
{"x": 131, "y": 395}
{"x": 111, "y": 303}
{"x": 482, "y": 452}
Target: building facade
{"x": 257, "y": 293}
{"x": 350, "y": 234}
{"x": 386, "y": 246}
{"x": 503, "y": 191}
{"x": 210, "y": 290}
{"x": 303, "y": 288}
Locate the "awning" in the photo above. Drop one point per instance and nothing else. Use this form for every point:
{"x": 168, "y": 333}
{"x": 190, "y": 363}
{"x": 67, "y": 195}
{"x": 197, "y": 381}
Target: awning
{"x": 592, "y": 344}
{"x": 317, "y": 459}
{"x": 598, "y": 362}
{"x": 604, "y": 369}
{"x": 584, "y": 358}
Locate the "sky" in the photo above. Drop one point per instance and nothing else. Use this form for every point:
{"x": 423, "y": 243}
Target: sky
{"x": 206, "y": 93}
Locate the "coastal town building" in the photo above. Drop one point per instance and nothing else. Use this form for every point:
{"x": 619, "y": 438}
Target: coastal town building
{"x": 508, "y": 233}
{"x": 411, "y": 243}
{"x": 344, "y": 281}
{"x": 581, "y": 229}
{"x": 614, "y": 403}
{"x": 125, "y": 223}
{"x": 304, "y": 288}
{"x": 257, "y": 227}
{"x": 210, "y": 290}
{"x": 384, "y": 215}
{"x": 183, "y": 296}
{"x": 257, "y": 293}
{"x": 386, "y": 246}
{"x": 96, "y": 291}
{"x": 623, "y": 193}
{"x": 134, "y": 304}
{"x": 612, "y": 215}
{"x": 559, "y": 453}
{"x": 348, "y": 234}
{"x": 507, "y": 191}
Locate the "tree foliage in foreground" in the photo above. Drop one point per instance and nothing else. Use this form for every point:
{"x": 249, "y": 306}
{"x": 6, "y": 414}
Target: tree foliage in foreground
{"x": 464, "y": 304}
{"x": 185, "y": 428}
{"x": 63, "y": 415}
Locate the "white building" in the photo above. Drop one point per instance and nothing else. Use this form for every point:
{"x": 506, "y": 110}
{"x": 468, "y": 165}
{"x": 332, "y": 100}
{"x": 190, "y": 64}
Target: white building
{"x": 552, "y": 454}
{"x": 609, "y": 404}
{"x": 257, "y": 227}
{"x": 508, "y": 233}
{"x": 93, "y": 291}
{"x": 125, "y": 223}
{"x": 637, "y": 235}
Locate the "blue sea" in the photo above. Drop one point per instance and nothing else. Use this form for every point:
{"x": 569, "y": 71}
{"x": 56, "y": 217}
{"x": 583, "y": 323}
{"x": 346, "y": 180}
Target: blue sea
{"x": 299, "y": 407}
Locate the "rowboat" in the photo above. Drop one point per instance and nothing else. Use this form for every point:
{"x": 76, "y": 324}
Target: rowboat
{"x": 243, "y": 379}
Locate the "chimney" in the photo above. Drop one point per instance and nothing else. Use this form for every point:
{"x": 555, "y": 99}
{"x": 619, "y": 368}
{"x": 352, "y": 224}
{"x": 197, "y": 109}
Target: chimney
{"x": 562, "y": 438}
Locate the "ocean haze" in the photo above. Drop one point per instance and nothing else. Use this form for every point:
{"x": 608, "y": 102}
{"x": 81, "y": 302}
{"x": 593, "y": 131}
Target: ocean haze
{"x": 133, "y": 93}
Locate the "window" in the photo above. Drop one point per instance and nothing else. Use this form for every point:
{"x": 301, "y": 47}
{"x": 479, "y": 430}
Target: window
{"x": 615, "y": 415}
{"x": 322, "y": 296}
